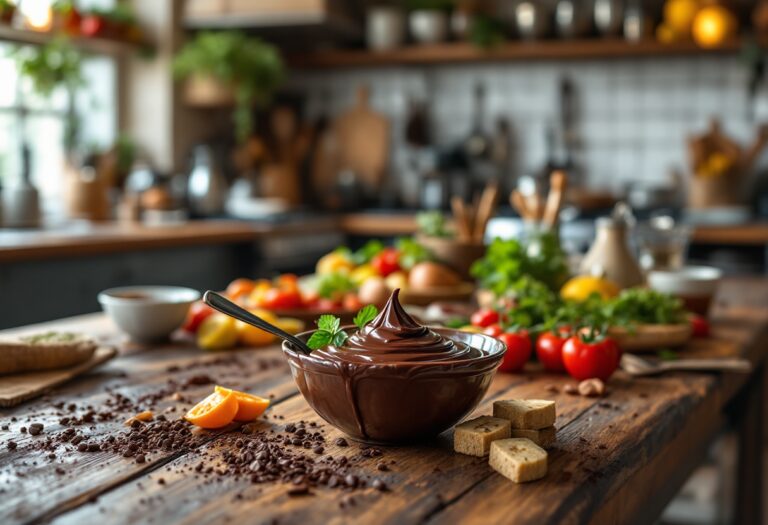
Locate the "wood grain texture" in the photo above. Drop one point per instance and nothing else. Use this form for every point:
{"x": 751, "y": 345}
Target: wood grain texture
{"x": 18, "y": 388}
{"x": 618, "y": 459}
{"x": 462, "y": 52}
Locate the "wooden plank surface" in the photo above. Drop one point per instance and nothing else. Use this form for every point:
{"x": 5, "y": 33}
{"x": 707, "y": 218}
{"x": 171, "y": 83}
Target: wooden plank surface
{"x": 617, "y": 459}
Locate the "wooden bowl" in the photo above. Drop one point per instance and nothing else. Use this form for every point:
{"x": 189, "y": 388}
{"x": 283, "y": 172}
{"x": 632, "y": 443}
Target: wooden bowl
{"x": 650, "y": 337}
{"x": 425, "y": 296}
{"x": 458, "y": 255}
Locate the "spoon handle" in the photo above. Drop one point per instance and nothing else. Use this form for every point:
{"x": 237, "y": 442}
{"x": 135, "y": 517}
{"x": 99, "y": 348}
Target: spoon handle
{"x": 730, "y": 364}
{"x": 225, "y": 306}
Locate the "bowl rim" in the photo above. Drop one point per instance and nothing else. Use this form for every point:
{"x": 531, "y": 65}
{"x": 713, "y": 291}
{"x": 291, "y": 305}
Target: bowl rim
{"x": 158, "y": 295}
{"x": 490, "y": 360}
{"x": 690, "y": 273}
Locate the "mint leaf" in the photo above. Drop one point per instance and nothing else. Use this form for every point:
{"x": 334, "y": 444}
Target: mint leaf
{"x": 339, "y": 338}
{"x": 319, "y": 339}
{"x": 365, "y": 316}
{"x": 329, "y": 323}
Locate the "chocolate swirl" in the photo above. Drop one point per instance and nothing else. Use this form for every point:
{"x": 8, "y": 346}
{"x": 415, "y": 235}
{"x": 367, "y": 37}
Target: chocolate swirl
{"x": 394, "y": 337}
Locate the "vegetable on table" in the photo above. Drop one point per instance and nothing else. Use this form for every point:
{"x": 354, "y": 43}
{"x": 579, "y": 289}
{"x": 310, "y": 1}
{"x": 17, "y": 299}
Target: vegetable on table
{"x": 518, "y": 351}
{"x": 588, "y": 356}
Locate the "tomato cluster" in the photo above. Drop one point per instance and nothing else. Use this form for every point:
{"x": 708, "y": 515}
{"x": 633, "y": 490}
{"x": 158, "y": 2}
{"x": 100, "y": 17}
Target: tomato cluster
{"x": 582, "y": 355}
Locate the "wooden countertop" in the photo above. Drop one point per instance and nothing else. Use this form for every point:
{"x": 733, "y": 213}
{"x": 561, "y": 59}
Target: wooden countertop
{"x": 618, "y": 459}
{"x": 83, "y": 238}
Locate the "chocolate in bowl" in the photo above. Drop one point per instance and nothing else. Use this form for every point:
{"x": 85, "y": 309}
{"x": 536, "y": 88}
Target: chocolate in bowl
{"x": 396, "y": 381}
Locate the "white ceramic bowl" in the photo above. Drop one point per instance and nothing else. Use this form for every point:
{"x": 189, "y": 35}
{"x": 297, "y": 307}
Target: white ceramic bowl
{"x": 148, "y": 313}
{"x": 695, "y": 285}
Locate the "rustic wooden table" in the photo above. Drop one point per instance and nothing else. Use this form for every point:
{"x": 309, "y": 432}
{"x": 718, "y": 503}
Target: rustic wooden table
{"x": 619, "y": 459}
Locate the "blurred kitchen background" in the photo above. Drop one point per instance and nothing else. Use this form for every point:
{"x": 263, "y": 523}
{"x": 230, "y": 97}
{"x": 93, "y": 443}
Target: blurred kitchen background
{"x": 190, "y": 141}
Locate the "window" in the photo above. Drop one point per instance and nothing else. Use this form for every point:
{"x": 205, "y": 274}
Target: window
{"x": 42, "y": 124}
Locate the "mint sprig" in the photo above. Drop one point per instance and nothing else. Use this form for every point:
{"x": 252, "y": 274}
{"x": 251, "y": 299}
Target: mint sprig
{"x": 365, "y": 316}
{"x": 329, "y": 331}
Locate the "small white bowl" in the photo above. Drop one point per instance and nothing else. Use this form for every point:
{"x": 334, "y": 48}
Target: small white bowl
{"x": 148, "y": 313}
{"x": 695, "y": 285}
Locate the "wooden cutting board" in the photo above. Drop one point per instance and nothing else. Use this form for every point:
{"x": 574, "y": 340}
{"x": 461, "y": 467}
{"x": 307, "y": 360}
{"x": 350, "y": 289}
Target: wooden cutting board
{"x": 16, "y": 389}
{"x": 362, "y": 137}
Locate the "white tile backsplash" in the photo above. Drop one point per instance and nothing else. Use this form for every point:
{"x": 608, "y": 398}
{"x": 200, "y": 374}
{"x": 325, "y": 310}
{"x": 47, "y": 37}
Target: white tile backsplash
{"x": 634, "y": 115}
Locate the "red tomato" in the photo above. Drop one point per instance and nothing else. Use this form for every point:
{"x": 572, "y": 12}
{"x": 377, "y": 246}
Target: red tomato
{"x": 352, "y": 302}
{"x": 288, "y": 281}
{"x": 198, "y": 312}
{"x": 493, "y": 330}
{"x": 518, "y": 351}
{"x": 326, "y": 305}
{"x": 586, "y": 360}
{"x": 92, "y": 25}
{"x": 386, "y": 262}
{"x": 699, "y": 326}
{"x": 549, "y": 351}
{"x": 484, "y": 317}
{"x": 276, "y": 299}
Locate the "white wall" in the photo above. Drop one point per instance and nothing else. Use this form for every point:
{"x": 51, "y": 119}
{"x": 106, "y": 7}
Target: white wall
{"x": 635, "y": 114}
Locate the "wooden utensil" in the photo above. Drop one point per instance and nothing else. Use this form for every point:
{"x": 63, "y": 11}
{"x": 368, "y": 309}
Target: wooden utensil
{"x": 637, "y": 366}
{"x": 16, "y": 389}
{"x": 557, "y": 187}
{"x": 363, "y": 140}
{"x": 485, "y": 208}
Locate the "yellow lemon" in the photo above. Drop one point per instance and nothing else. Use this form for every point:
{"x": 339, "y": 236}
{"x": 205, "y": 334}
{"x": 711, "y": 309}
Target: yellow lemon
{"x": 679, "y": 14}
{"x": 217, "y": 332}
{"x": 252, "y": 336}
{"x": 582, "y": 286}
{"x": 713, "y": 26}
{"x": 362, "y": 273}
{"x": 472, "y": 329}
{"x": 334, "y": 262}
{"x": 290, "y": 325}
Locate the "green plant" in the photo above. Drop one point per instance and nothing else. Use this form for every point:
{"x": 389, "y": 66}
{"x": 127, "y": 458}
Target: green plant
{"x": 56, "y": 64}
{"x": 432, "y": 224}
{"x": 50, "y": 66}
{"x": 486, "y": 31}
{"x": 506, "y": 261}
{"x": 250, "y": 66}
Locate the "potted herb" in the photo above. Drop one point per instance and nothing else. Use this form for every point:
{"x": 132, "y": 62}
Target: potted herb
{"x": 228, "y": 66}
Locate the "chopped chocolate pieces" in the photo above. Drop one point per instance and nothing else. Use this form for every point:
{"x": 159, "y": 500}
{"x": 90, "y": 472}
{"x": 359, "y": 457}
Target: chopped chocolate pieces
{"x": 35, "y": 428}
{"x": 12, "y": 445}
{"x": 341, "y": 442}
{"x": 379, "y": 485}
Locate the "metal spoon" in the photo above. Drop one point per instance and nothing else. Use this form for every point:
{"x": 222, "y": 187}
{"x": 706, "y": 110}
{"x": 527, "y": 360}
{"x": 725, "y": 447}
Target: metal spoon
{"x": 225, "y": 306}
{"x": 637, "y": 366}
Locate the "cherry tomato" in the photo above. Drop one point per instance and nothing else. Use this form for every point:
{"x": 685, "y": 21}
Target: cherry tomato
{"x": 518, "y": 351}
{"x": 484, "y": 317}
{"x": 287, "y": 281}
{"x": 198, "y": 312}
{"x": 549, "y": 351}
{"x": 92, "y": 25}
{"x": 324, "y": 305}
{"x": 493, "y": 330}
{"x": 386, "y": 262}
{"x": 699, "y": 326}
{"x": 352, "y": 302}
{"x": 586, "y": 360}
{"x": 277, "y": 299}
{"x": 240, "y": 287}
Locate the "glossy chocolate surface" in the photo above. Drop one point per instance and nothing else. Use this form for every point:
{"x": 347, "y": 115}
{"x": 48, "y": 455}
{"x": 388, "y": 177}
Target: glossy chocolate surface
{"x": 397, "y": 380}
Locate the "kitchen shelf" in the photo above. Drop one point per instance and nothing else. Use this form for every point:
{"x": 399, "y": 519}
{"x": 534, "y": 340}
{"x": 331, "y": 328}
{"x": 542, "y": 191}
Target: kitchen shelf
{"x": 99, "y": 46}
{"x": 462, "y": 52}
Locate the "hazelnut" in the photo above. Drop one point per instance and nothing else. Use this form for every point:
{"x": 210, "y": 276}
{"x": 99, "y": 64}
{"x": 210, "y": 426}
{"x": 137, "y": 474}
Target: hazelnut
{"x": 592, "y": 388}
